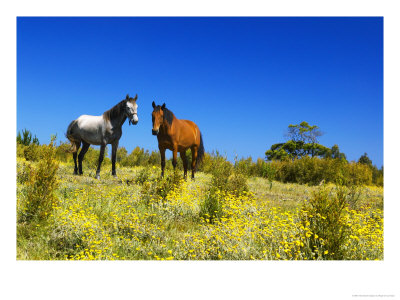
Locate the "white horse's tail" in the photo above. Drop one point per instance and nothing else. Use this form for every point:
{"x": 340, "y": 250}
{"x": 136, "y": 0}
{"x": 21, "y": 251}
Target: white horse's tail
{"x": 71, "y": 138}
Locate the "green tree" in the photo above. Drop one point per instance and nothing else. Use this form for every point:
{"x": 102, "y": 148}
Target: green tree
{"x": 121, "y": 155}
{"x": 288, "y": 150}
{"x": 364, "y": 159}
{"x": 26, "y": 138}
{"x": 138, "y": 157}
{"x": 335, "y": 153}
{"x": 304, "y": 132}
{"x": 303, "y": 141}
{"x": 154, "y": 158}
{"x": 377, "y": 174}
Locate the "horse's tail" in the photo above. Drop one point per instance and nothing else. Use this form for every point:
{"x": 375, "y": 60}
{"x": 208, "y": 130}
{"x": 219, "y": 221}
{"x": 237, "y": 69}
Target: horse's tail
{"x": 71, "y": 138}
{"x": 200, "y": 151}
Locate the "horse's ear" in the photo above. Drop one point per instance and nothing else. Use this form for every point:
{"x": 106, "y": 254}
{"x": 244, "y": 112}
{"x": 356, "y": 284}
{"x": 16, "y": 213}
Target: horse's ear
{"x": 163, "y": 106}
{"x": 127, "y": 97}
{"x": 134, "y": 99}
{"x": 154, "y": 105}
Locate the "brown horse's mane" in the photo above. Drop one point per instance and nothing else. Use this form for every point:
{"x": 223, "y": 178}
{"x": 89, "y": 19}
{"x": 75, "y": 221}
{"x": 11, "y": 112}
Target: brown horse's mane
{"x": 168, "y": 115}
{"x": 115, "y": 111}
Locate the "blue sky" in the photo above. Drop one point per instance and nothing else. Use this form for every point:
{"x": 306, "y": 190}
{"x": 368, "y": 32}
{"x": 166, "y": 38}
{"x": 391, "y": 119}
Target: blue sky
{"x": 242, "y": 80}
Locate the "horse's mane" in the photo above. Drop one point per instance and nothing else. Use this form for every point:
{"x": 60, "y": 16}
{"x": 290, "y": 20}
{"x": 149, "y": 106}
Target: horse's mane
{"x": 114, "y": 111}
{"x": 168, "y": 115}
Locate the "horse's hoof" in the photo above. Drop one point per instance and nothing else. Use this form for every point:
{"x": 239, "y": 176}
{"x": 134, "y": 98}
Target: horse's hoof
{"x": 97, "y": 177}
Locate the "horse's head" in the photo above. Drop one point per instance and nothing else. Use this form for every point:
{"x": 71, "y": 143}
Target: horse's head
{"x": 131, "y": 110}
{"x": 157, "y": 117}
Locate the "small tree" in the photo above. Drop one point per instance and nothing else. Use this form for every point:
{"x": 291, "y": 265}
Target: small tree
{"x": 26, "y": 138}
{"x": 335, "y": 153}
{"x": 304, "y": 132}
{"x": 121, "y": 155}
{"x": 154, "y": 158}
{"x": 364, "y": 159}
{"x": 41, "y": 186}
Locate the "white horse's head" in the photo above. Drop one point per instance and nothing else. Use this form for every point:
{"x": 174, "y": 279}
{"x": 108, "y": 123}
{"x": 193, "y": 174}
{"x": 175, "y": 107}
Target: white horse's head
{"x": 131, "y": 110}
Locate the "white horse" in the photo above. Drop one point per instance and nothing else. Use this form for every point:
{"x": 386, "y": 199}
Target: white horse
{"x": 101, "y": 130}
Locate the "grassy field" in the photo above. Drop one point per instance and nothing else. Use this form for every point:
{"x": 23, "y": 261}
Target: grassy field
{"x": 136, "y": 216}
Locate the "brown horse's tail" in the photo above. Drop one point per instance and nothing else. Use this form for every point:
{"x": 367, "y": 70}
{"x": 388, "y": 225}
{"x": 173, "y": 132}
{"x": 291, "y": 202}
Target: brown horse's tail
{"x": 200, "y": 151}
{"x": 71, "y": 138}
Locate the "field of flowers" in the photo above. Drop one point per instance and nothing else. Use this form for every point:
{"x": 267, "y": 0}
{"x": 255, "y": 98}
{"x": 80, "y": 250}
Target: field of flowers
{"x": 137, "y": 216}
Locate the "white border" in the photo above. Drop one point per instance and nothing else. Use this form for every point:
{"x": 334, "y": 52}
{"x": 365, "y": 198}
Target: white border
{"x": 197, "y": 280}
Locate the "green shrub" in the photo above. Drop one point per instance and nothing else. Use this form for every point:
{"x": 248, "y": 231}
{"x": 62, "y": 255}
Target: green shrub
{"x": 244, "y": 166}
{"x": 143, "y": 175}
{"x": 325, "y": 221}
{"x": 314, "y": 170}
{"x": 352, "y": 195}
{"x": 269, "y": 171}
{"x": 122, "y": 154}
{"x": 257, "y": 167}
{"x": 32, "y": 152}
{"x": 20, "y": 150}
{"x": 41, "y": 186}
{"x": 214, "y": 160}
{"x": 220, "y": 169}
{"x": 154, "y": 158}
{"x": 23, "y": 171}
{"x": 63, "y": 152}
{"x": 359, "y": 174}
{"x": 158, "y": 189}
{"x": 138, "y": 157}
{"x": 91, "y": 159}
{"x": 237, "y": 184}
{"x": 377, "y": 177}
{"x": 168, "y": 184}
{"x": 211, "y": 207}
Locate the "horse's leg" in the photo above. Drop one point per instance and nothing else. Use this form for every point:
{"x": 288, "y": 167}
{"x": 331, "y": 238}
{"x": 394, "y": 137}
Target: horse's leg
{"x": 162, "y": 153}
{"x": 85, "y": 148}
{"x": 75, "y": 155}
{"x": 174, "y": 155}
{"x": 185, "y": 163}
{"x": 101, "y": 157}
{"x": 114, "y": 156}
{"x": 194, "y": 158}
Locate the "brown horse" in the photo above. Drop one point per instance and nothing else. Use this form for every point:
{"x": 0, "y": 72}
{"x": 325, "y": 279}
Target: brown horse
{"x": 176, "y": 135}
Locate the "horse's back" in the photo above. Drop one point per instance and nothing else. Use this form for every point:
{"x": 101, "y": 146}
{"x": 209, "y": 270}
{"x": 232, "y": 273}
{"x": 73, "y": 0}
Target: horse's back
{"x": 89, "y": 122}
{"x": 87, "y": 128}
{"x": 190, "y": 132}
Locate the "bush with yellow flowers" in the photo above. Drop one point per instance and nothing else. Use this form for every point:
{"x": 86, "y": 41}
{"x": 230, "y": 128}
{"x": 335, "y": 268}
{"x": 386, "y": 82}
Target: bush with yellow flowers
{"x": 40, "y": 184}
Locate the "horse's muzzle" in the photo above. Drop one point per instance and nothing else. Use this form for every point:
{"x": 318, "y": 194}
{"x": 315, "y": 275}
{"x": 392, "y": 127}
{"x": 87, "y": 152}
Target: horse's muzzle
{"x": 133, "y": 122}
{"x": 154, "y": 132}
{"x": 133, "y": 119}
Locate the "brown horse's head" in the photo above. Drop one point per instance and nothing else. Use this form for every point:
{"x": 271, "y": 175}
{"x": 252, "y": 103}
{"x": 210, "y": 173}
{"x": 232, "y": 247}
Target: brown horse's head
{"x": 157, "y": 117}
